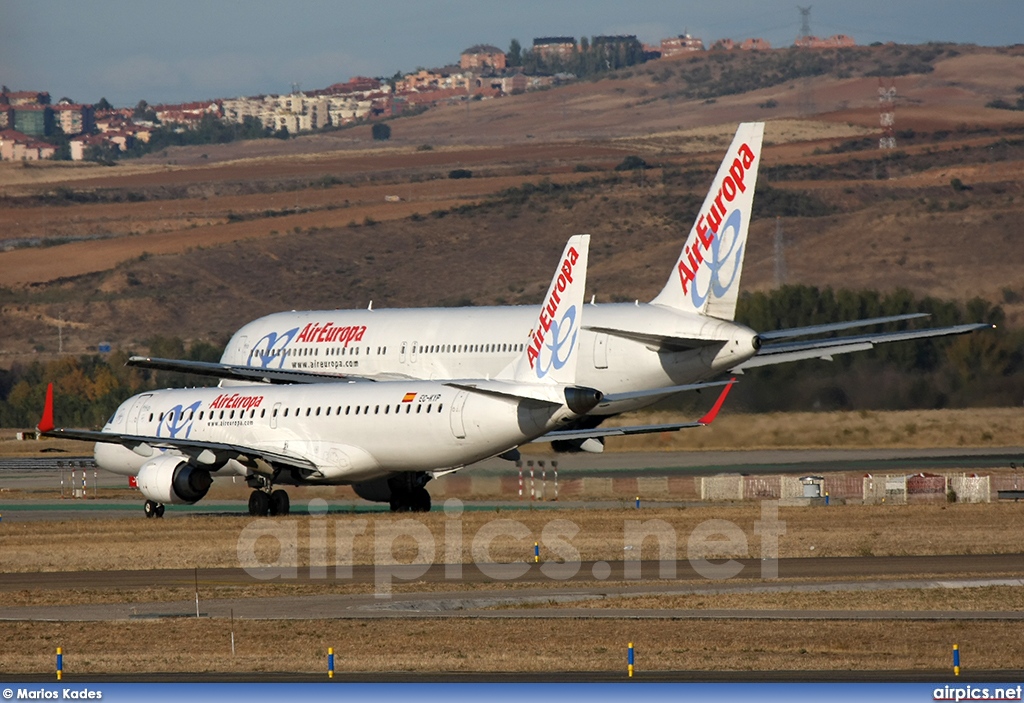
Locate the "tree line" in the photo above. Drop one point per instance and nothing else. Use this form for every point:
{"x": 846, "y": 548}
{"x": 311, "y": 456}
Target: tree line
{"x": 984, "y": 368}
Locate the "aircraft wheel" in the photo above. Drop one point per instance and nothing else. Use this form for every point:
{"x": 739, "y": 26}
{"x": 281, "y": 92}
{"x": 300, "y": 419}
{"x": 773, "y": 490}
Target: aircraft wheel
{"x": 421, "y": 500}
{"x": 150, "y": 508}
{"x": 160, "y": 509}
{"x": 259, "y": 504}
{"x": 279, "y": 503}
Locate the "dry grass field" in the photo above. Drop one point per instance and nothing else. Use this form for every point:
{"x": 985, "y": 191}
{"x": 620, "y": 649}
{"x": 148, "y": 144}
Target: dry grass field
{"x": 851, "y": 530}
{"x": 425, "y": 645}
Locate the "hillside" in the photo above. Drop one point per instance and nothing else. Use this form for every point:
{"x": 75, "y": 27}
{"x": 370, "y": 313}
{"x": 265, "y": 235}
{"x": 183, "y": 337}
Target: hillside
{"x": 195, "y": 241}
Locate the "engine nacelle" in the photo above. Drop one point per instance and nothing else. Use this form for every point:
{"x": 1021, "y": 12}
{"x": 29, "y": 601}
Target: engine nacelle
{"x": 170, "y": 479}
{"x": 376, "y": 490}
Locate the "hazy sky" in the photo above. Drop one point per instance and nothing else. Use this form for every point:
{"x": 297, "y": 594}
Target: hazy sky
{"x": 181, "y": 50}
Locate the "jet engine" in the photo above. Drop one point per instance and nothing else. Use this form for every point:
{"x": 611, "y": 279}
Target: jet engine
{"x": 171, "y": 479}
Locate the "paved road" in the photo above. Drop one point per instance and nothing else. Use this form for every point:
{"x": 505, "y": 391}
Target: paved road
{"x": 795, "y": 575}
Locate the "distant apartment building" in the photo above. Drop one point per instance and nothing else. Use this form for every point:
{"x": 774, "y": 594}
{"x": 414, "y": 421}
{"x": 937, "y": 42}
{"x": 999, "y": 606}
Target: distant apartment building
{"x": 17, "y": 146}
{"x": 74, "y": 119}
{"x": 683, "y": 44}
{"x": 754, "y": 44}
{"x": 836, "y": 41}
{"x": 33, "y": 119}
{"x": 79, "y": 145}
{"x": 27, "y": 97}
{"x": 187, "y": 114}
{"x": 554, "y": 47}
{"x": 482, "y": 57}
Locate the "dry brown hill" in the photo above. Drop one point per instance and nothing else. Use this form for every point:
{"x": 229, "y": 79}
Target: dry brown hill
{"x": 195, "y": 241}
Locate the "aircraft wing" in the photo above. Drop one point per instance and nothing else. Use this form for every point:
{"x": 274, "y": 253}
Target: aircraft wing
{"x": 781, "y": 352}
{"x": 253, "y": 374}
{"x": 144, "y": 445}
{"x": 598, "y": 432}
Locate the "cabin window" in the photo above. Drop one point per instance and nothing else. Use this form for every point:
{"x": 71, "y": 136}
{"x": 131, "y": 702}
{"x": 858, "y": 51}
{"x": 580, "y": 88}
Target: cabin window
{"x": 439, "y": 406}
{"x": 200, "y": 414}
{"x": 418, "y": 409}
{"x": 286, "y": 412}
{"x": 328, "y": 413}
{"x": 263, "y": 413}
{"x": 357, "y": 410}
{"x": 408, "y": 409}
{"x": 318, "y": 411}
{"x": 429, "y": 406}
{"x": 376, "y": 410}
{"x": 347, "y": 408}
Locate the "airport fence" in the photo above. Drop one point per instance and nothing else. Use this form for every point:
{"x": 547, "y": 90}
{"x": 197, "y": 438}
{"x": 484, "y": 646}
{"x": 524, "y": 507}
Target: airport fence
{"x": 870, "y": 489}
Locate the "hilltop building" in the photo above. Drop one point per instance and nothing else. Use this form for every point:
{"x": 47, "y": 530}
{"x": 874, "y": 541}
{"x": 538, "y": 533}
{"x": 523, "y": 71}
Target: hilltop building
{"x": 552, "y": 47}
{"x": 683, "y": 44}
{"x": 836, "y": 41}
{"x": 481, "y": 57}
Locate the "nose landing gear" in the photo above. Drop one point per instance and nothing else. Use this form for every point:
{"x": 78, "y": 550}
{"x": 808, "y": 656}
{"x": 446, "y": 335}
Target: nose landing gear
{"x": 153, "y": 509}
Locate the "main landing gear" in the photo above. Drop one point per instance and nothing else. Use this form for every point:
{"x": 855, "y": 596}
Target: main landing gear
{"x": 154, "y": 509}
{"x": 263, "y": 502}
{"x": 409, "y": 494}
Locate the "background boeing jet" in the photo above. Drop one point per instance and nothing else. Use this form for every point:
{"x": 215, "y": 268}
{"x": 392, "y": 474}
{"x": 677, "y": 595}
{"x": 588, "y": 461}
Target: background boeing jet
{"x": 636, "y": 353}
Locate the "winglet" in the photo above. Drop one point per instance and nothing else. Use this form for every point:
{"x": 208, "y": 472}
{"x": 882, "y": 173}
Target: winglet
{"x": 46, "y": 422}
{"x": 711, "y": 414}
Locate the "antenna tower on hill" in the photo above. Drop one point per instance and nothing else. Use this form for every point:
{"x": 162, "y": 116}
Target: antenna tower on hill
{"x": 806, "y": 93}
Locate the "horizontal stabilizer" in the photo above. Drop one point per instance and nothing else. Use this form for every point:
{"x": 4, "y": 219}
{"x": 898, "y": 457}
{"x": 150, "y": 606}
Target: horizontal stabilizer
{"x": 783, "y": 352}
{"x": 664, "y": 391}
{"x": 837, "y": 326}
{"x": 597, "y": 432}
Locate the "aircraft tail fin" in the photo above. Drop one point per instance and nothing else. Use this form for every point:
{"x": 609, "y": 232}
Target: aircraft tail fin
{"x": 552, "y": 347}
{"x": 705, "y": 278}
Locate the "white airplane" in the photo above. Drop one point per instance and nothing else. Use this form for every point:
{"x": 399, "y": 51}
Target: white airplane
{"x": 635, "y": 353}
{"x": 387, "y": 438}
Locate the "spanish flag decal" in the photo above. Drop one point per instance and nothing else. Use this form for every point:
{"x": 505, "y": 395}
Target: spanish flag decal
{"x": 409, "y": 397}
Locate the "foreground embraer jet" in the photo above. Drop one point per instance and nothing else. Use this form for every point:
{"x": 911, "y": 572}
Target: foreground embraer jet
{"x": 387, "y": 438}
{"x": 635, "y": 353}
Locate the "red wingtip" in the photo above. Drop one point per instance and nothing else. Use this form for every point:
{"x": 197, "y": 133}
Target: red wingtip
{"x": 46, "y": 423}
{"x": 713, "y": 412}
